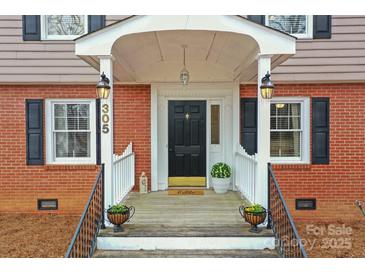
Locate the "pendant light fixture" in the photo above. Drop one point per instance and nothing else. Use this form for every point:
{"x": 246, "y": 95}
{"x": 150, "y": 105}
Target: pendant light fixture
{"x": 184, "y": 73}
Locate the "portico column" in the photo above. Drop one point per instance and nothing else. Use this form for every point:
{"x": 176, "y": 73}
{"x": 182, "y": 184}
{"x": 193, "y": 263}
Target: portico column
{"x": 106, "y": 109}
{"x": 263, "y": 133}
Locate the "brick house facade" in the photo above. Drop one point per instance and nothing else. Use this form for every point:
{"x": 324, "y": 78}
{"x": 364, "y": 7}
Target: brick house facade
{"x": 335, "y": 185}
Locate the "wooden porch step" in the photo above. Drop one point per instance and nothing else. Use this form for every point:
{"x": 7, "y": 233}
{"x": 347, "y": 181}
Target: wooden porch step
{"x": 236, "y": 253}
{"x": 139, "y": 230}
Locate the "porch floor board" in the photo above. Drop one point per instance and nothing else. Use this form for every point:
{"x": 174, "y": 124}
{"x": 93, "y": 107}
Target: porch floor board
{"x": 210, "y": 209}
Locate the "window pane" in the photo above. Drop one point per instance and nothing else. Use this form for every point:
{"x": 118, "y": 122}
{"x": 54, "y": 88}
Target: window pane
{"x": 285, "y": 144}
{"x": 284, "y": 110}
{"x": 293, "y": 24}
{"x": 60, "y": 110}
{"x": 294, "y": 109}
{"x": 83, "y": 123}
{"x": 294, "y": 122}
{"x": 282, "y": 123}
{"x": 60, "y": 123}
{"x": 214, "y": 110}
{"x": 65, "y": 24}
{"x": 72, "y": 144}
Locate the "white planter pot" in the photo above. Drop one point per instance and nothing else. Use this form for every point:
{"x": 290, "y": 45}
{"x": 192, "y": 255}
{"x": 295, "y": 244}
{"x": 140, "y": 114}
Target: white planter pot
{"x": 221, "y": 185}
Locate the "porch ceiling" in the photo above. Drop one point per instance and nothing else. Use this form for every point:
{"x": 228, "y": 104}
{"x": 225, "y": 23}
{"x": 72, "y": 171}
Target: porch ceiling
{"x": 148, "y": 49}
{"x": 158, "y": 56}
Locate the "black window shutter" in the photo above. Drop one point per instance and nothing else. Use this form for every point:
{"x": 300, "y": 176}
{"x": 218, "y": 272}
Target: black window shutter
{"x": 257, "y": 18}
{"x": 98, "y": 133}
{"x": 321, "y": 26}
{"x": 31, "y": 27}
{"x": 34, "y": 131}
{"x": 249, "y": 125}
{"x": 95, "y": 22}
{"x": 320, "y": 131}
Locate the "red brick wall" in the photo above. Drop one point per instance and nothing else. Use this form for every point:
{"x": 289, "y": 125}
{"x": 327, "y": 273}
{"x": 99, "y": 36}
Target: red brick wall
{"x": 132, "y": 123}
{"x": 22, "y": 185}
{"x": 337, "y": 185}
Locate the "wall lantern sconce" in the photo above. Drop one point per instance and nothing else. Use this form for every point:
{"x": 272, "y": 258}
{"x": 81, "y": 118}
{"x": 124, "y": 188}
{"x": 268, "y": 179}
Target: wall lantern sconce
{"x": 103, "y": 87}
{"x": 267, "y": 87}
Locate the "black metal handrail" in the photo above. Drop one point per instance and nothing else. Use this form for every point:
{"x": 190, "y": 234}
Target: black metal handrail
{"x": 280, "y": 220}
{"x": 83, "y": 242}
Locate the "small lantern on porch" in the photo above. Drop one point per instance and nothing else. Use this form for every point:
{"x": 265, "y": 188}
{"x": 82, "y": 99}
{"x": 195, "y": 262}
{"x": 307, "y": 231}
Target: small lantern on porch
{"x": 143, "y": 183}
{"x": 267, "y": 87}
{"x": 103, "y": 87}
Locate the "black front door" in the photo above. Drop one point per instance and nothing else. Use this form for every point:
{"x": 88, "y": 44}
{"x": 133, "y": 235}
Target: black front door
{"x": 187, "y": 141}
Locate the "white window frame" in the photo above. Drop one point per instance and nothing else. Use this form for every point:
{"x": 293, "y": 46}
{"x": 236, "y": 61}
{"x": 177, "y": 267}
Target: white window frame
{"x": 44, "y": 35}
{"x": 309, "y": 27}
{"x": 50, "y": 142}
{"x": 305, "y": 126}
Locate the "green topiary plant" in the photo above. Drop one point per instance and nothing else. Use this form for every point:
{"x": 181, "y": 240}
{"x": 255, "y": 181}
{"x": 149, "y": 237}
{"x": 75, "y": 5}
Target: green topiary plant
{"x": 255, "y": 209}
{"x": 118, "y": 209}
{"x": 221, "y": 170}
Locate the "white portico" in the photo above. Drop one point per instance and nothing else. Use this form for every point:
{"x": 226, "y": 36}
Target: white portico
{"x": 222, "y": 52}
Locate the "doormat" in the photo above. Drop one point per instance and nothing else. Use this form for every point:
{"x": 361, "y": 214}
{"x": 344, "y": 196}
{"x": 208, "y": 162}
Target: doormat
{"x": 186, "y": 192}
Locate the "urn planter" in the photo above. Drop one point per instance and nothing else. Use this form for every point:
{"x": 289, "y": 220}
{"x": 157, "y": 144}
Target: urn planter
{"x": 254, "y": 215}
{"x": 221, "y": 185}
{"x": 119, "y": 217}
{"x": 221, "y": 177}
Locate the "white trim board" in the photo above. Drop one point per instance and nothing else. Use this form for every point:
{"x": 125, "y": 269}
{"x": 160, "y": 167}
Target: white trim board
{"x": 187, "y": 243}
{"x": 209, "y": 92}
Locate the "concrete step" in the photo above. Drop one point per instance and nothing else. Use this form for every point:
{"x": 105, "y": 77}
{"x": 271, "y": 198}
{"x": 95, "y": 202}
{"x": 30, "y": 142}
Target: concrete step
{"x": 161, "y": 237}
{"x": 153, "y": 230}
{"x": 235, "y": 253}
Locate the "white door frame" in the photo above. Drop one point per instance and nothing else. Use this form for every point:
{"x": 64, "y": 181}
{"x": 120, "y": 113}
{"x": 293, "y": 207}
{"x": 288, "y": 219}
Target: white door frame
{"x": 228, "y": 91}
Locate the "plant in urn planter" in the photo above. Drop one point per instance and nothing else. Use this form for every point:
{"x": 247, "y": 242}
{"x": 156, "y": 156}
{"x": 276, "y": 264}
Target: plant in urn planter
{"x": 221, "y": 177}
{"x": 254, "y": 215}
{"x": 118, "y": 215}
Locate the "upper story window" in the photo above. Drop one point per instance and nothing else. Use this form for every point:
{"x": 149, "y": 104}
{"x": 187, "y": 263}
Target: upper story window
{"x": 71, "y": 131}
{"x": 63, "y": 27}
{"x": 289, "y": 130}
{"x": 300, "y": 26}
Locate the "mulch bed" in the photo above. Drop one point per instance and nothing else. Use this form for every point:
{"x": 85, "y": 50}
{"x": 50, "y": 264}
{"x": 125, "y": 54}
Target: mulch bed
{"x": 28, "y": 235}
{"x": 333, "y": 240}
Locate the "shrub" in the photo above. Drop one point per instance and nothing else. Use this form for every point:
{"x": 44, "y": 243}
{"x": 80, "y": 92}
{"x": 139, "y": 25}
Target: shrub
{"x": 118, "y": 209}
{"x": 221, "y": 170}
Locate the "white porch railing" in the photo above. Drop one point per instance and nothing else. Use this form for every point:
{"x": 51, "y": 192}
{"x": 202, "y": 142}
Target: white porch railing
{"x": 124, "y": 174}
{"x": 245, "y": 175}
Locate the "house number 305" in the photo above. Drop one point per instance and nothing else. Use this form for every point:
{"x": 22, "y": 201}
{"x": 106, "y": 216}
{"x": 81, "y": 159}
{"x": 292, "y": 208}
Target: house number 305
{"x": 105, "y": 118}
